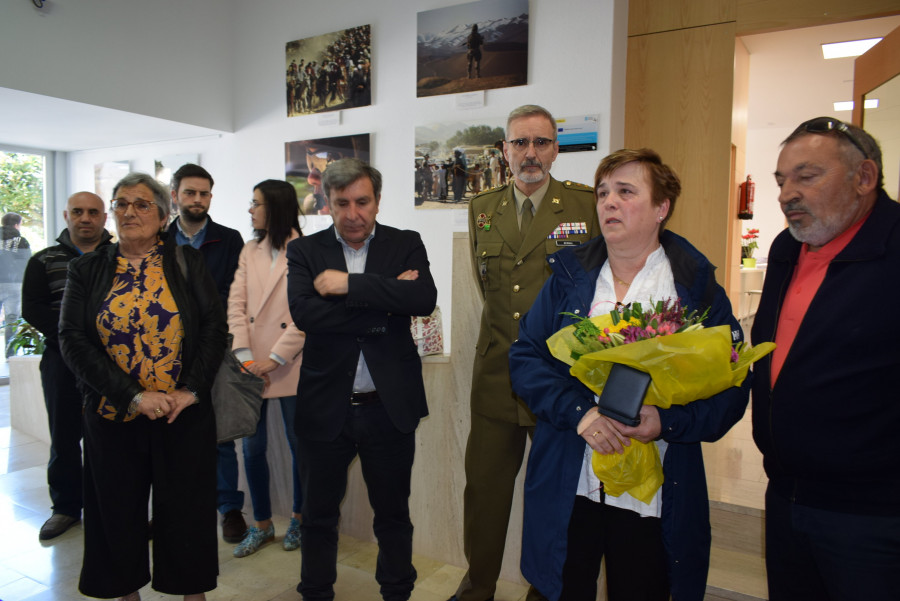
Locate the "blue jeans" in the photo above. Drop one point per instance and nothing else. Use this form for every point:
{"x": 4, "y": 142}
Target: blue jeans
{"x": 228, "y": 497}
{"x": 257, "y": 467}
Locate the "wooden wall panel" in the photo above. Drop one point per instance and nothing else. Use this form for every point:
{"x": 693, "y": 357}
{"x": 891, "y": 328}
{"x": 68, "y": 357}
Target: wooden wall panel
{"x": 877, "y": 66}
{"x": 760, "y": 16}
{"x": 679, "y": 102}
{"x": 654, "y": 16}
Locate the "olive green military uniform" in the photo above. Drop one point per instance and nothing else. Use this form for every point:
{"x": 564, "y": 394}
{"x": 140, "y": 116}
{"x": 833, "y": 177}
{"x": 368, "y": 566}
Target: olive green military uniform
{"x": 510, "y": 272}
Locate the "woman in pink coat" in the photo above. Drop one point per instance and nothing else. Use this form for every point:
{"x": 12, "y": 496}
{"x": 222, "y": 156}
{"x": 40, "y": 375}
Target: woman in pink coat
{"x": 270, "y": 345}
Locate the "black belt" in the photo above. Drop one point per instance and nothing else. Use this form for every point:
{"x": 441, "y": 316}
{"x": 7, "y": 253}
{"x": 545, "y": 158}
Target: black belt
{"x": 364, "y": 398}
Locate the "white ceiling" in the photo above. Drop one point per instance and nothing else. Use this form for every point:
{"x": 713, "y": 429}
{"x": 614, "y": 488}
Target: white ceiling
{"x": 791, "y": 82}
{"x": 36, "y": 121}
{"x": 783, "y": 100}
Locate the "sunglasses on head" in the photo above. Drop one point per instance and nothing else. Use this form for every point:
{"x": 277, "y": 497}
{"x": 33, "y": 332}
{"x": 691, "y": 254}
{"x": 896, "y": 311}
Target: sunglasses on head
{"x": 824, "y": 125}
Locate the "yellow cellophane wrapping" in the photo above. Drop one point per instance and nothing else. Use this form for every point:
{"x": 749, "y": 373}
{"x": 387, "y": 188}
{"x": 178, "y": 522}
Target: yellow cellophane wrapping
{"x": 684, "y": 367}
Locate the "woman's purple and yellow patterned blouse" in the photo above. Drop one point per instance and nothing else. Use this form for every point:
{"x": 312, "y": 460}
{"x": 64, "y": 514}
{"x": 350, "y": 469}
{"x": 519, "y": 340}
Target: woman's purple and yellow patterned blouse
{"x": 140, "y": 327}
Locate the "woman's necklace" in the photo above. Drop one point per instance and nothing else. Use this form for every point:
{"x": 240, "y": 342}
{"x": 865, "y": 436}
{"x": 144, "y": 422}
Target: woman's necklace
{"x": 619, "y": 280}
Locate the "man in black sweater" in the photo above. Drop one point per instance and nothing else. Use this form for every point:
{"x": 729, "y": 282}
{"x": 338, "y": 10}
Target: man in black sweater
{"x": 42, "y": 292}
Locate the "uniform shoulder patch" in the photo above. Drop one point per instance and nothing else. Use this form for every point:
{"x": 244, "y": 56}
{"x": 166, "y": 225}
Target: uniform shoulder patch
{"x": 499, "y": 188}
{"x": 577, "y": 186}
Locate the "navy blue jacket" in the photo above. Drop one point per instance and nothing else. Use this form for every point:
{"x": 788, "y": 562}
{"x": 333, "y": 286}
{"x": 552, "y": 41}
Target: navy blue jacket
{"x": 828, "y": 428}
{"x": 221, "y": 250}
{"x": 560, "y": 401}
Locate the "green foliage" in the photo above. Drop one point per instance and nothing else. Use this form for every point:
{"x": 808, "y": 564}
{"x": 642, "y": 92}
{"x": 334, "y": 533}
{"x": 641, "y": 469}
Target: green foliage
{"x": 476, "y": 135}
{"x": 22, "y": 187}
{"x": 26, "y": 340}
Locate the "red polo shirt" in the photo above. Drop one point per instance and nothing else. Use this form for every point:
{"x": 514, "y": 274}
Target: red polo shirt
{"x": 808, "y": 276}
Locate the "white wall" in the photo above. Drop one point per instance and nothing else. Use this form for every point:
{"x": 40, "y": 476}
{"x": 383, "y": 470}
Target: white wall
{"x": 572, "y": 48}
{"x": 166, "y": 58}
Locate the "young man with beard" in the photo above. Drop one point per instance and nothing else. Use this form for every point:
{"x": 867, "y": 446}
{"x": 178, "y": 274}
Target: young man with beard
{"x": 220, "y": 246}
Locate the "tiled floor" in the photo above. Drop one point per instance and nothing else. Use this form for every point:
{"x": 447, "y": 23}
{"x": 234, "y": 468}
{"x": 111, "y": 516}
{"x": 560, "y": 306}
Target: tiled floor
{"x": 32, "y": 571}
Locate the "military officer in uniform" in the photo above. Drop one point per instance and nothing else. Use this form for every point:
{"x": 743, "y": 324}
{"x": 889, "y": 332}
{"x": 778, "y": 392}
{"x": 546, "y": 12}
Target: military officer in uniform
{"x": 512, "y": 229}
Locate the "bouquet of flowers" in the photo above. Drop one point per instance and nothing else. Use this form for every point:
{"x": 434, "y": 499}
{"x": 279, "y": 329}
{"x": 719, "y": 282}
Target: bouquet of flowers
{"x": 685, "y": 360}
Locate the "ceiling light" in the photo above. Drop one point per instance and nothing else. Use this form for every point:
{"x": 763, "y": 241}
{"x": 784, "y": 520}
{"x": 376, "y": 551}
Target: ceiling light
{"x": 847, "y": 105}
{"x": 843, "y": 49}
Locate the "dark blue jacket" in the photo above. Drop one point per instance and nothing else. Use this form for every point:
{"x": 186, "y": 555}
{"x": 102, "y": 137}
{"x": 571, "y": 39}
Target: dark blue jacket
{"x": 560, "y": 401}
{"x": 221, "y": 250}
{"x": 828, "y": 430}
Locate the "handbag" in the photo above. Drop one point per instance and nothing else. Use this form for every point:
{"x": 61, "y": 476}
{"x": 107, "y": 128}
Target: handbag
{"x": 236, "y": 398}
{"x": 428, "y": 333}
{"x": 236, "y": 393}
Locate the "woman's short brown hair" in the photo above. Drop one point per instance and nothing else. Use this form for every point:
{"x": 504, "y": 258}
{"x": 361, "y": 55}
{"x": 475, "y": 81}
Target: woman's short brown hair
{"x": 663, "y": 179}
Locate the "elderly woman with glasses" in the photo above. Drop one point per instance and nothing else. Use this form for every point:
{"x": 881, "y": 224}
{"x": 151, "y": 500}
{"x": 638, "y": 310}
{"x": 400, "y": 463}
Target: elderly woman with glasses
{"x": 143, "y": 329}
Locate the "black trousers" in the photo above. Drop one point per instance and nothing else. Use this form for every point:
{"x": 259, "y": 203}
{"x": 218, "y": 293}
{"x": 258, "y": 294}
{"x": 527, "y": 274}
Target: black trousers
{"x": 636, "y": 568}
{"x": 386, "y": 456}
{"x": 123, "y": 462}
{"x": 63, "y": 401}
{"x": 818, "y": 555}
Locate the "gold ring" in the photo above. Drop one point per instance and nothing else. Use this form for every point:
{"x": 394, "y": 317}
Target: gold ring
{"x": 595, "y": 433}
{"x": 158, "y": 411}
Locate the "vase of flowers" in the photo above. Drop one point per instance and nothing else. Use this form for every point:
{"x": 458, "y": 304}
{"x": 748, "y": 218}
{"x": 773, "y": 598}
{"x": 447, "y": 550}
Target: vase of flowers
{"x": 748, "y": 245}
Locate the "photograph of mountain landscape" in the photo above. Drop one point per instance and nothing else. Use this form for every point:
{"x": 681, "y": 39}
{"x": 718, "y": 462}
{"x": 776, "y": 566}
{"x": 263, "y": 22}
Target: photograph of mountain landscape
{"x": 476, "y": 46}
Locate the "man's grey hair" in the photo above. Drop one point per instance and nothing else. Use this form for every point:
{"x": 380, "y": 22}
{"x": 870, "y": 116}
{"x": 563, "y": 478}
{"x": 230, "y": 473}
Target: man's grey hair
{"x": 160, "y": 193}
{"x": 341, "y": 173}
{"x": 529, "y": 110}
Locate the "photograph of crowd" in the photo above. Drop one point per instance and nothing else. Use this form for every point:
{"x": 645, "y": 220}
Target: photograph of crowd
{"x": 329, "y": 72}
{"x": 456, "y": 161}
{"x": 476, "y": 46}
{"x": 306, "y": 160}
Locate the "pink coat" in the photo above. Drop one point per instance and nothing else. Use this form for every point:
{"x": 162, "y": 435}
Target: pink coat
{"x": 259, "y": 317}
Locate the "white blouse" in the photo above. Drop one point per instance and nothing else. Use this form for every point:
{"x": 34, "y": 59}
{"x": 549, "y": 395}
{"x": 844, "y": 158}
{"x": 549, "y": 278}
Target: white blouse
{"x": 655, "y": 282}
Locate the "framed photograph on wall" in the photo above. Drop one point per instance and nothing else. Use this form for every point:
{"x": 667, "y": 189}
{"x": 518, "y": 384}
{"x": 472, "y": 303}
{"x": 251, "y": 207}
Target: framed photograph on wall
{"x": 164, "y": 167}
{"x": 476, "y": 46}
{"x": 454, "y": 161}
{"x": 107, "y": 175}
{"x": 329, "y": 72}
{"x": 306, "y": 160}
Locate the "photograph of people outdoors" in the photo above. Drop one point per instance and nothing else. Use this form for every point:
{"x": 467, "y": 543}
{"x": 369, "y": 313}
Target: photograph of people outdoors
{"x": 329, "y": 72}
{"x": 477, "y": 46}
{"x": 456, "y": 161}
{"x": 306, "y": 160}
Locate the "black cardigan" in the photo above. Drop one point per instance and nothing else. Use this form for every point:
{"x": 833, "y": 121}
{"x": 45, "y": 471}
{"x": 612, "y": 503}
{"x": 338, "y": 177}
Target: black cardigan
{"x": 202, "y": 316}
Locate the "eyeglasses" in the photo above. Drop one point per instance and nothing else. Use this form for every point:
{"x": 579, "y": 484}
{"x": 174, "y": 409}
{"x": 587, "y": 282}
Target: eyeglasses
{"x": 121, "y": 205}
{"x": 522, "y": 143}
{"x": 255, "y": 204}
{"x": 824, "y": 125}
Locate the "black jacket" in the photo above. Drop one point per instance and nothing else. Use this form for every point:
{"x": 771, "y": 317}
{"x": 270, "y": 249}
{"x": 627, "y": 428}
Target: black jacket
{"x": 828, "y": 428}
{"x": 202, "y": 316}
{"x": 372, "y": 318}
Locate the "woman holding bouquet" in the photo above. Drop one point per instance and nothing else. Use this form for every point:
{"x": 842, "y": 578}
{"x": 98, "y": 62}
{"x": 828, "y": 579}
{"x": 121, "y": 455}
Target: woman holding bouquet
{"x": 652, "y": 549}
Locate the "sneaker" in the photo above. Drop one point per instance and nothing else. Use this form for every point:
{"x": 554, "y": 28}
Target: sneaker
{"x": 255, "y": 539}
{"x": 292, "y": 536}
{"x": 234, "y": 528}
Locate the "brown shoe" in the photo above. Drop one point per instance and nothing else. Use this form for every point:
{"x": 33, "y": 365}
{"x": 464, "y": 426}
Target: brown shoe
{"x": 234, "y": 528}
{"x": 56, "y": 525}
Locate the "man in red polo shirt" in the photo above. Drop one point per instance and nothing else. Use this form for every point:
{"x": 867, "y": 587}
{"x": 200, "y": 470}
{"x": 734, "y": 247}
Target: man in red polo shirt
{"x": 826, "y": 411}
